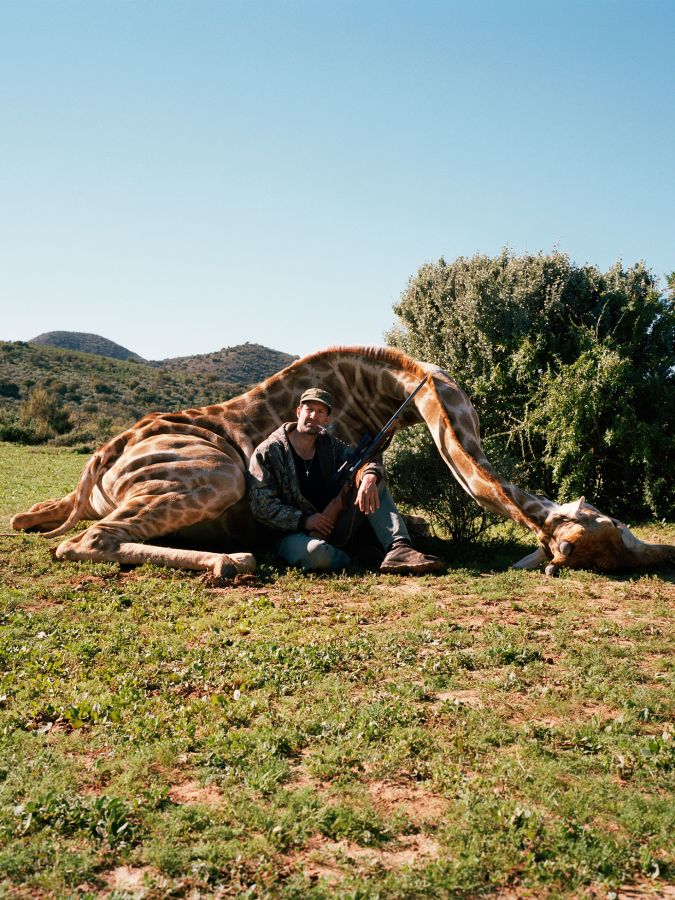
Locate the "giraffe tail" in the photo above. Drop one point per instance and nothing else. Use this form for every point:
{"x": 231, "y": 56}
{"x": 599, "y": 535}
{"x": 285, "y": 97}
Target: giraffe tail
{"x": 83, "y": 491}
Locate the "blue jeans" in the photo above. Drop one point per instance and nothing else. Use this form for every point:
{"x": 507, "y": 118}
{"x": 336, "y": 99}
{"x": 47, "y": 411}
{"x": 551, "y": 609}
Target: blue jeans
{"x": 314, "y": 554}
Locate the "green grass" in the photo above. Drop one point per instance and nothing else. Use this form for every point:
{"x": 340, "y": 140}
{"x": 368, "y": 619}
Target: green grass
{"x": 485, "y": 732}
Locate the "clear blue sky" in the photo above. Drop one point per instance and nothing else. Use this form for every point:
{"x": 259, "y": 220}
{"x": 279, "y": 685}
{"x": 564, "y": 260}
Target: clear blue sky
{"x": 183, "y": 176}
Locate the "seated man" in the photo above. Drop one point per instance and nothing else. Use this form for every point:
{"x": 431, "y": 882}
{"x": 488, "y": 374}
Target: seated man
{"x": 291, "y": 482}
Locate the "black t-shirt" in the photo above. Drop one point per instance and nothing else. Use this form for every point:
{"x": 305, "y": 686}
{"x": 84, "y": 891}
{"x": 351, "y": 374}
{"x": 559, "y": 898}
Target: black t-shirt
{"x": 312, "y": 484}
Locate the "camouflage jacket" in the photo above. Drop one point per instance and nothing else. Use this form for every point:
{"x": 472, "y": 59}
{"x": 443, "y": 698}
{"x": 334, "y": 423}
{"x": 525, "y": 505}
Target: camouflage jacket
{"x": 276, "y": 500}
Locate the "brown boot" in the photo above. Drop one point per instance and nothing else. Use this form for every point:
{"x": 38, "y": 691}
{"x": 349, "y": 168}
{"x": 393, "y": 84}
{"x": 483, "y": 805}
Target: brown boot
{"x": 403, "y": 560}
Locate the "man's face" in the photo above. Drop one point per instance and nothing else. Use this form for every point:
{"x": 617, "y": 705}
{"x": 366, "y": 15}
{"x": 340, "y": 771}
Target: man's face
{"x": 313, "y": 416}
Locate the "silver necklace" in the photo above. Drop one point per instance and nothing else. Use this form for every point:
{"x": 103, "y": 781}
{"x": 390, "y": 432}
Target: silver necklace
{"x": 307, "y": 465}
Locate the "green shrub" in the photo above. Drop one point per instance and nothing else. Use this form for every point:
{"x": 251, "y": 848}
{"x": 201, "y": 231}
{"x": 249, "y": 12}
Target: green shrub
{"x": 571, "y": 371}
{"x": 431, "y": 488}
{"x": 42, "y": 414}
{"x": 9, "y": 389}
{"x": 17, "y": 434}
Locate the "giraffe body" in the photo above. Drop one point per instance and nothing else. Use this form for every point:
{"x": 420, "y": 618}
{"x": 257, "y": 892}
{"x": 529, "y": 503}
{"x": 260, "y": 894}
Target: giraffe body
{"x": 185, "y": 472}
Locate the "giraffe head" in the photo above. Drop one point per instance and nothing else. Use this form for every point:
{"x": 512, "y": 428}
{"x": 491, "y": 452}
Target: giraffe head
{"x": 579, "y": 536}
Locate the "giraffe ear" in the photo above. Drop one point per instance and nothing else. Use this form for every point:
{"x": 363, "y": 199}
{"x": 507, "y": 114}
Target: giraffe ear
{"x": 578, "y": 505}
{"x": 571, "y": 509}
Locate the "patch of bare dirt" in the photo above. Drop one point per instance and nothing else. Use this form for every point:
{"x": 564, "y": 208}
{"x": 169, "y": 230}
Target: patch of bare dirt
{"x": 94, "y": 783}
{"x": 41, "y": 604}
{"x": 131, "y": 881}
{"x": 217, "y": 585}
{"x": 191, "y": 791}
{"x": 598, "y": 710}
{"x": 517, "y": 894}
{"x": 332, "y": 860}
{"x": 301, "y": 778}
{"x": 411, "y": 850}
{"x": 473, "y": 622}
{"x": 649, "y": 889}
{"x": 466, "y": 697}
{"x": 406, "y": 586}
{"x": 419, "y": 805}
{"x": 526, "y": 712}
{"x": 90, "y": 758}
{"x": 316, "y": 863}
{"x": 549, "y": 721}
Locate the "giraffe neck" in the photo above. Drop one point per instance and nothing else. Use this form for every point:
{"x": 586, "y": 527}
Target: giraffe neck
{"x": 454, "y": 425}
{"x": 367, "y": 387}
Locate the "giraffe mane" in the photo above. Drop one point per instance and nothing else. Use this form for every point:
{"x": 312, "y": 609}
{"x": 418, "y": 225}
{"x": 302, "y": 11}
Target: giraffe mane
{"x": 386, "y": 355}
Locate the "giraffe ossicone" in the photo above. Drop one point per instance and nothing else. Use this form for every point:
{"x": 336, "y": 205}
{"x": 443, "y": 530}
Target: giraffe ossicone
{"x": 184, "y": 473}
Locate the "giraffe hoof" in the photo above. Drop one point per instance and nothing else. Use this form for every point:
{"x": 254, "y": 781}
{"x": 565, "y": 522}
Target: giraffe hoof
{"x": 551, "y": 570}
{"x": 245, "y": 562}
{"x": 224, "y": 568}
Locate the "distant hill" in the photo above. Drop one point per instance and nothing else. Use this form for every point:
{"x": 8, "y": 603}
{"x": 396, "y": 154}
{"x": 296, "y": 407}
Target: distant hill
{"x": 104, "y": 395}
{"x": 85, "y": 343}
{"x": 243, "y": 364}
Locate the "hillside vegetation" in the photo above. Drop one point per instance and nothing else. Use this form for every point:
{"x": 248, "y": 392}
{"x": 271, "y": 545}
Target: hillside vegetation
{"x": 81, "y": 399}
{"x": 244, "y": 364}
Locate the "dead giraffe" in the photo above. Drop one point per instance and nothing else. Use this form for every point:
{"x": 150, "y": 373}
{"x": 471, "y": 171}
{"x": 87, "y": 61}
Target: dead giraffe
{"x": 185, "y": 472}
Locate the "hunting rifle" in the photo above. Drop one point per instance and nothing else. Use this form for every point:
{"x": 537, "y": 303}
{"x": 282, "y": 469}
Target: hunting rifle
{"x": 366, "y": 450}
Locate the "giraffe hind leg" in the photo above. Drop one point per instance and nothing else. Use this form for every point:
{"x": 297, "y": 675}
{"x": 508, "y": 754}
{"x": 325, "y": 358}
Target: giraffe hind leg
{"x": 112, "y": 540}
{"x": 44, "y": 516}
{"x": 222, "y": 565}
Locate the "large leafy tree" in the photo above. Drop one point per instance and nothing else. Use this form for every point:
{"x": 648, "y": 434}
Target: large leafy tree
{"x": 571, "y": 371}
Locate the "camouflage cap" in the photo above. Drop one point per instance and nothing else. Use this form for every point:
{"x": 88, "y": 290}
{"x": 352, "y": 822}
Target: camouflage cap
{"x": 319, "y": 395}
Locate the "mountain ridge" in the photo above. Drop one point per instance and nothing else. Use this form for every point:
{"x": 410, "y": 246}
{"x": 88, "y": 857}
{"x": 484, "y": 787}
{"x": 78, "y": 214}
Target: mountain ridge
{"x": 85, "y": 342}
{"x": 239, "y": 364}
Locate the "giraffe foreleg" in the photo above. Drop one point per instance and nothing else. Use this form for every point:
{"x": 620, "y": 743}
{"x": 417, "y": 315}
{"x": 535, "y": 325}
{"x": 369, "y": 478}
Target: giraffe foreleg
{"x": 532, "y": 560}
{"x": 223, "y": 565}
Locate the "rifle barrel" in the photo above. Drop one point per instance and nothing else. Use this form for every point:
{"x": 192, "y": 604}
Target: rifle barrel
{"x": 401, "y": 408}
{"x": 373, "y": 445}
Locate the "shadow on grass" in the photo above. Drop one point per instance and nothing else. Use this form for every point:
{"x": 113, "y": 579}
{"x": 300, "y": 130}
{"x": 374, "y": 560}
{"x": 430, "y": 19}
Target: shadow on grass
{"x": 481, "y": 558}
{"x": 488, "y": 556}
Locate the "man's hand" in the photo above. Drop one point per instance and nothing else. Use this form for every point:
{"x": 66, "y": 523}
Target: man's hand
{"x": 368, "y": 498}
{"x": 319, "y": 525}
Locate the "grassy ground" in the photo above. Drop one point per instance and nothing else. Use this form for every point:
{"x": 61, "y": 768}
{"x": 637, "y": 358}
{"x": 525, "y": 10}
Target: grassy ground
{"x": 485, "y": 732}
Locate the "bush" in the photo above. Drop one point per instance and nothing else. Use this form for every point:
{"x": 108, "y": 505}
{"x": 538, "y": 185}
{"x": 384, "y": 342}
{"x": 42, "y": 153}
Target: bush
{"x": 43, "y": 415}
{"x": 431, "y": 488}
{"x": 571, "y": 370}
{"x": 14, "y": 433}
{"x": 597, "y": 439}
{"x": 9, "y": 389}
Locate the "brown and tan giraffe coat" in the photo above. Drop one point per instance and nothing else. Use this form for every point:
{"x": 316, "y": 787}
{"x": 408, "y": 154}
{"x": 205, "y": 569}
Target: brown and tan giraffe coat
{"x": 185, "y": 472}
